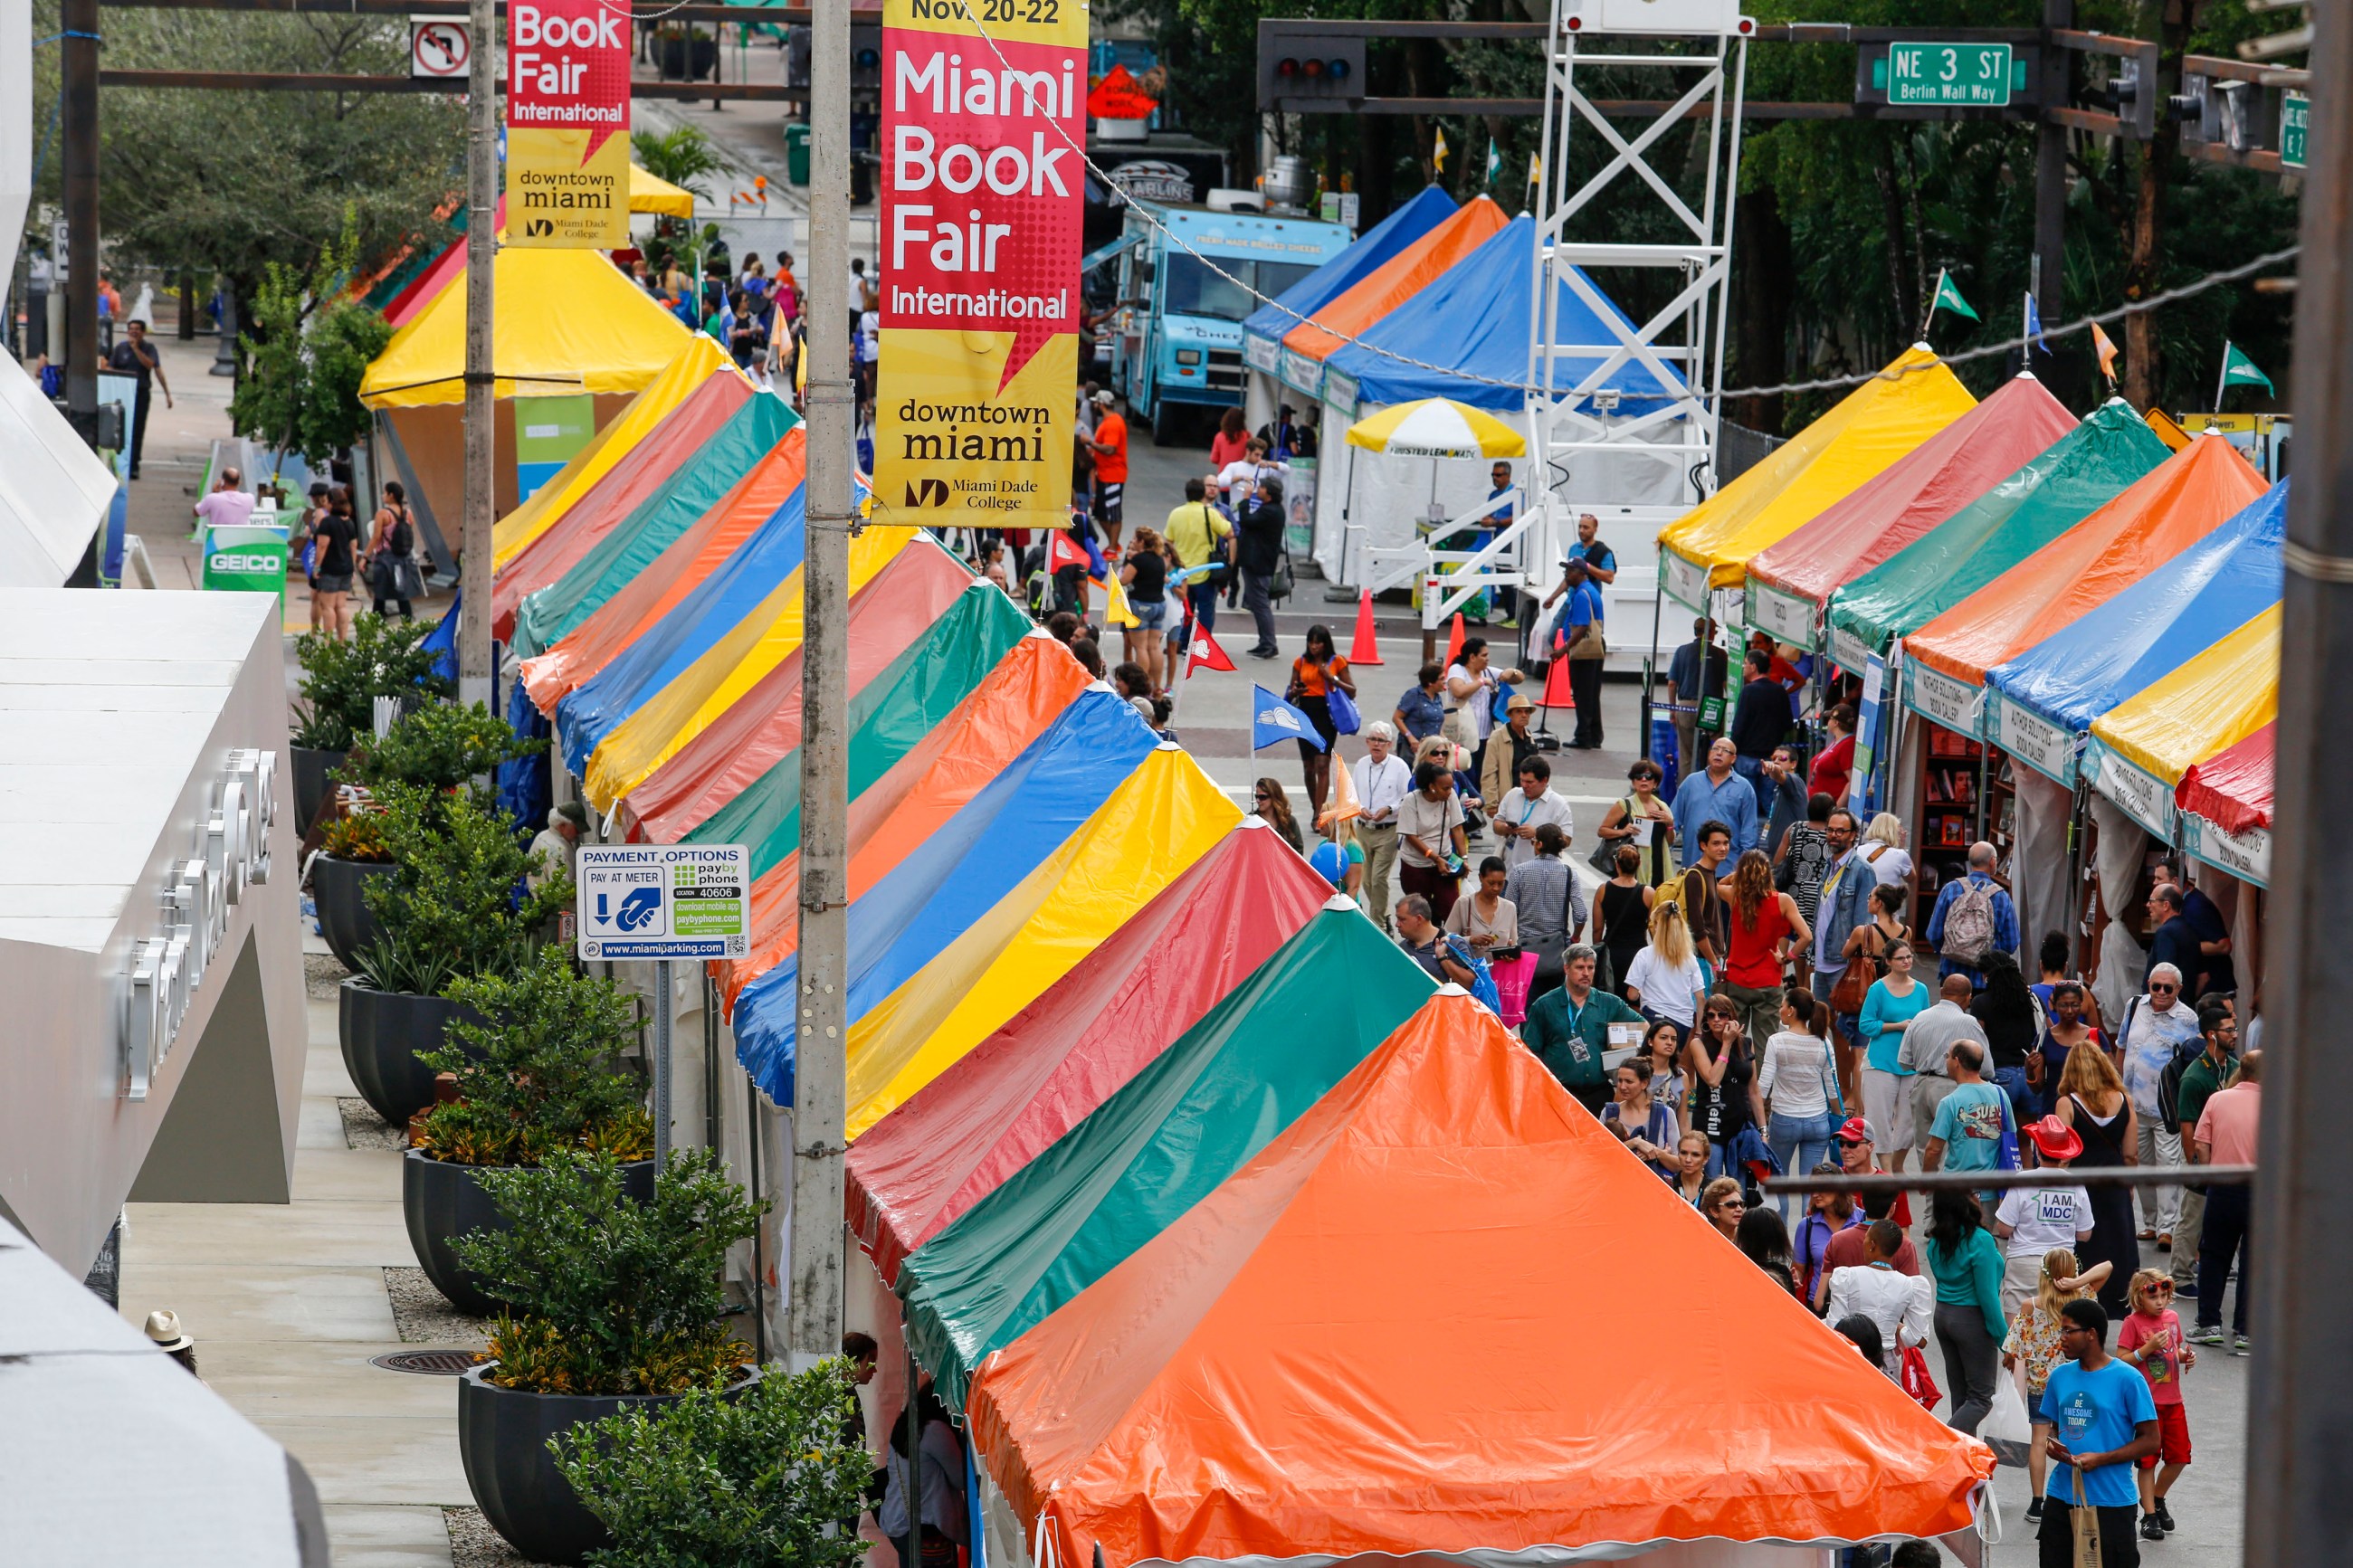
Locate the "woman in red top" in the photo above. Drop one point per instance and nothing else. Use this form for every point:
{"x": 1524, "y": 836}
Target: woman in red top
{"x": 1313, "y": 676}
{"x": 1230, "y": 441}
{"x": 1835, "y": 767}
{"x": 1765, "y": 926}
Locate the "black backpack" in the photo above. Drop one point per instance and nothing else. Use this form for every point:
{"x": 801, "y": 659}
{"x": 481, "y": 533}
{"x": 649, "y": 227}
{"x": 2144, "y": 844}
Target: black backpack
{"x": 2169, "y": 1082}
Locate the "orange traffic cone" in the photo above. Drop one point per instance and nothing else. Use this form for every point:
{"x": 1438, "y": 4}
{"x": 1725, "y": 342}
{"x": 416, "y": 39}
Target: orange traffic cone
{"x": 1454, "y": 641}
{"x": 1556, "y": 692}
{"x": 1366, "y": 647}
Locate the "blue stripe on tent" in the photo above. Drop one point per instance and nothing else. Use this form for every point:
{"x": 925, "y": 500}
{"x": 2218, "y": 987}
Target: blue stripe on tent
{"x": 2156, "y": 625}
{"x": 1474, "y": 320}
{"x": 693, "y": 627}
{"x": 1373, "y": 250}
{"x": 959, "y": 874}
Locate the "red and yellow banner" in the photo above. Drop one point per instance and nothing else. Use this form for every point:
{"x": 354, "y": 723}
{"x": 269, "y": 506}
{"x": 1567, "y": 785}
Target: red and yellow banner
{"x": 568, "y": 124}
{"x": 983, "y": 201}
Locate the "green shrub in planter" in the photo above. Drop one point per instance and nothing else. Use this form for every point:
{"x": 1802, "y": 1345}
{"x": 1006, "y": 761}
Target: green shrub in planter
{"x": 342, "y": 680}
{"x": 449, "y": 910}
{"x": 439, "y": 746}
{"x": 750, "y": 1481}
{"x": 608, "y": 1296}
{"x": 544, "y": 1074}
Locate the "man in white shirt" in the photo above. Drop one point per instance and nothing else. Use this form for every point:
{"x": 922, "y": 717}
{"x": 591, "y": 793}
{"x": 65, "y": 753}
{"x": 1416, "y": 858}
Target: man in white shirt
{"x": 1383, "y": 780}
{"x": 1241, "y": 478}
{"x": 2030, "y": 1221}
{"x": 1523, "y": 810}
{"x": 1928, "y": 1039}
{"x": 1903, "y": 1306}
{"x": 2156, "y": 1025}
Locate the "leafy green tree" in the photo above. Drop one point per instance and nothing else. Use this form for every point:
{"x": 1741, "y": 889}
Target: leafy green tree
{"x": 309, "y": 349}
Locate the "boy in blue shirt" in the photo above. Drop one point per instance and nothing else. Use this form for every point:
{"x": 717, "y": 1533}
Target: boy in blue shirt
{"x": 2103, "y": 1420}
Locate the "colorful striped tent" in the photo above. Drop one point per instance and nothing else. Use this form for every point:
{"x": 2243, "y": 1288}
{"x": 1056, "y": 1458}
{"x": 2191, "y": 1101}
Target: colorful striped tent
{"x": 1184, "y": 1122}
{"x": 2225, "y": 806}
{"x": 2141, "y": 750}
{"x": 2079, "y": 473}
{"x": 1053, "y": 1063}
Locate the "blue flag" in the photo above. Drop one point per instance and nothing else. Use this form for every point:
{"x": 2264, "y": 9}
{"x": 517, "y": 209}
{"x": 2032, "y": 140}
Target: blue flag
{"x": 1272, "y": 720}
{"x": 443, "y": 639}
{"x": 2034, "y": 325}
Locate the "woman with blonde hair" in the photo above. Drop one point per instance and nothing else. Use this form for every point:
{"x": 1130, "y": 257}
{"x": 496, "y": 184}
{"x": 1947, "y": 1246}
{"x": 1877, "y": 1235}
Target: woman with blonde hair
{"x": 2033, "y": 1339}
{"x": 1664, "y": 979}
{"x": 1881, "y": 846}
{"x": 2092, "y": 1099}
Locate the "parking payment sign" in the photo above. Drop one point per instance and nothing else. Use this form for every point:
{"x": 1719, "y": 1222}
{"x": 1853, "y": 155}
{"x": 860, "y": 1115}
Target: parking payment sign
{"x": 668, "y": 901}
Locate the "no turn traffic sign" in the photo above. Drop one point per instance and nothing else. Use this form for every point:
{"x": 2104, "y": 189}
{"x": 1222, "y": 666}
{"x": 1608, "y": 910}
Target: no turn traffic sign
{"x": 437, "y": 46}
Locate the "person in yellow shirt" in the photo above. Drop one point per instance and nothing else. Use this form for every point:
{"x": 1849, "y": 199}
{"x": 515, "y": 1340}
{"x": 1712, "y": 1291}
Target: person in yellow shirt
{"x": 1195, "y": 528}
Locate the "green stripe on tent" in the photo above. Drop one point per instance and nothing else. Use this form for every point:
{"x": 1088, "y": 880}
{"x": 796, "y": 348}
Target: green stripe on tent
{"x": 887, "y": 717}
{"x": 546, "y": 616}
{"x": 2074, "y": 477}
{"x": 1320, "y": 1004}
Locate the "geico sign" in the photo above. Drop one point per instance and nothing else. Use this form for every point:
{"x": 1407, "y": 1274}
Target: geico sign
{"x": 245, "y": 563}
{"x": 231, "y": 853}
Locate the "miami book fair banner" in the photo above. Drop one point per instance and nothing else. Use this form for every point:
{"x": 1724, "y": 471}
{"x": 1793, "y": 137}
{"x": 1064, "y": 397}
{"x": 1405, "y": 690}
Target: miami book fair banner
{"x": 568, "y": 125}
{"x": 984, "y": 111}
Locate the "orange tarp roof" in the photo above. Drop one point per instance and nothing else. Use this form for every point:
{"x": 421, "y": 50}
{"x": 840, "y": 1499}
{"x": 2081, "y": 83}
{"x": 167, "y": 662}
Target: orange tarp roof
{"x": 1398, "y": 278}
{"x": 1026, "y": 691}
{"x": 694, "y": 555}
{"x": 1376, "y": 1336}
{"x": 2165, "y": 512}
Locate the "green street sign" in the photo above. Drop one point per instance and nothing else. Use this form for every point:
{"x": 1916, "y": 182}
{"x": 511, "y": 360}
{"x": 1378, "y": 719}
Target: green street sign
{"x": 2295, "y": 127}
{"x": 1964, "y": 75}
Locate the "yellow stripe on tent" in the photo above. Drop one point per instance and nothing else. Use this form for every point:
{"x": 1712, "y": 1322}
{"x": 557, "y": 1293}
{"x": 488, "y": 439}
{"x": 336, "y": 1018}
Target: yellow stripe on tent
{"x": 1870, "y": 427}
{"x": 568, "y": 321}
{"x": 711, "y": 684}
{"x": 697, "y": 361}
{"x": 1167, "y": 816}
{"x": 650, "y": 193}
{"x": 2214, "y": 701}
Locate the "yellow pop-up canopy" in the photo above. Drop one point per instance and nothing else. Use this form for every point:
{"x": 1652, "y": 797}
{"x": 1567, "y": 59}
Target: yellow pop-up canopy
{"x": 2140, "y": 749}
{"x": 568, "y": 322}
{"x": 701, "y": 359}
{"x": 653, "y": 193}
{"x": 1875, "y": 425}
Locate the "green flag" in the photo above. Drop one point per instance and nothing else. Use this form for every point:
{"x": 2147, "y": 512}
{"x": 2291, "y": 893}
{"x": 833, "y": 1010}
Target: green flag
{"x": 2238, "y": 370}
{"x": 1494, "y": 160}
{"x": 1947, "y": 297}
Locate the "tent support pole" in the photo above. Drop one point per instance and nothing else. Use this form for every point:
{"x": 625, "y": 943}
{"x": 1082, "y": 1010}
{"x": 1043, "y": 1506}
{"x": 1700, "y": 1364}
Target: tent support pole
{"x": 2081, "y": 805}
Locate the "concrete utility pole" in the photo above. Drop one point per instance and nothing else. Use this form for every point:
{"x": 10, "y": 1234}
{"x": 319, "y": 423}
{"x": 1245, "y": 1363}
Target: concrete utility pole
{"x": 823, "y": 1031}
{"x": 481, "y": 407}
{"x": 2300, "y": 1406}
{"x": 77, "y": 63}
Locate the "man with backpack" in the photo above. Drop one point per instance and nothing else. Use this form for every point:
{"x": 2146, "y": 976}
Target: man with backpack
{"x": 2194, "y": 1078}
{"x": 1973, "y": 917}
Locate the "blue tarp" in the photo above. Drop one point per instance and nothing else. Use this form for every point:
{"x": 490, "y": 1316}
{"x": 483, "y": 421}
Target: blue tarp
{"x": 1475, "y": 320}
{"x": 1372, "y": 250}
{"x": 960, "y": 873}
{"x": 718, "y": 604}
{"x": 2181, "y": 608}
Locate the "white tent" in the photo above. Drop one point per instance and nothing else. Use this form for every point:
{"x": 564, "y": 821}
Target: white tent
{"x": 54, "y": 490}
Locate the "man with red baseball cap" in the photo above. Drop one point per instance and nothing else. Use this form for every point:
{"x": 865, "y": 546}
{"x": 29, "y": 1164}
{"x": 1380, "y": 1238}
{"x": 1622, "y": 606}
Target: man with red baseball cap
{"x": 2030, "y": 1221}
{"x": 1858, "y": 1156}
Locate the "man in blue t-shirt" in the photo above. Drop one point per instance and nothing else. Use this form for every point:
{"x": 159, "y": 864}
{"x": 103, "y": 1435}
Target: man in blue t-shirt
{"x": 2103, "y": 1420}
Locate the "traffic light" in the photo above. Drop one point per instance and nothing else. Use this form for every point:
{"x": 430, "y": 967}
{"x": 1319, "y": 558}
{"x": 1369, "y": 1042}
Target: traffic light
{"x": 1304, "y": 70}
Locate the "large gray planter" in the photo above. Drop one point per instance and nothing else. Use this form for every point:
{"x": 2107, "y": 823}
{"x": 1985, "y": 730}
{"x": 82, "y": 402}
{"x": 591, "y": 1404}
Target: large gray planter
{"x": 502, "y": 1436}
{"x": 339, "y": 888}
{"x": 442, "y": 1201}
{"x": 382, "y": 1031}
{"x": 312, "y": 767}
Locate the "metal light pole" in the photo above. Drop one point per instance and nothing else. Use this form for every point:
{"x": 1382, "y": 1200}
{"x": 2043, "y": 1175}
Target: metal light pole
{"x": 481, "y": 409}
{"x": 2300, "y": 1406}
{"x": 78, "y": 64}
{"x": 822, "y": 1034}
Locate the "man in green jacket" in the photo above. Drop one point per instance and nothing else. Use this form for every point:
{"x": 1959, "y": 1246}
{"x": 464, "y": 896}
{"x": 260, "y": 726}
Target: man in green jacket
{"x": 1569, "y": 1028}
{"x": 2201, "y": 1081}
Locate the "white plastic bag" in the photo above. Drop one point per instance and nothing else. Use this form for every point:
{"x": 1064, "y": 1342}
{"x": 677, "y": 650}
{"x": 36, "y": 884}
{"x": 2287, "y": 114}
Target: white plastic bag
{"x": 2006, "y": 1428}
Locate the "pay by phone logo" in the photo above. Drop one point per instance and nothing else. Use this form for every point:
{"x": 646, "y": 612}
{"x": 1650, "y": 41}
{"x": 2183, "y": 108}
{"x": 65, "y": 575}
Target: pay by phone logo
{"x": 636, "y": 911}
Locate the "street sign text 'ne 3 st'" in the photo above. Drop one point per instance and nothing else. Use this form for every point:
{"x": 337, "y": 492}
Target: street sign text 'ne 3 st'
{"x": 664, "y": 900}
{"x": 1974, "y": 76}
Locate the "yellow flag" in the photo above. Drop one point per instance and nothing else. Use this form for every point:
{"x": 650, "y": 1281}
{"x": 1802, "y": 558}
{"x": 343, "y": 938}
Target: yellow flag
{"x": 1340, "y": 802}
{"x": 1116, "y": 613}
{"x": 1438, "y": 151}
